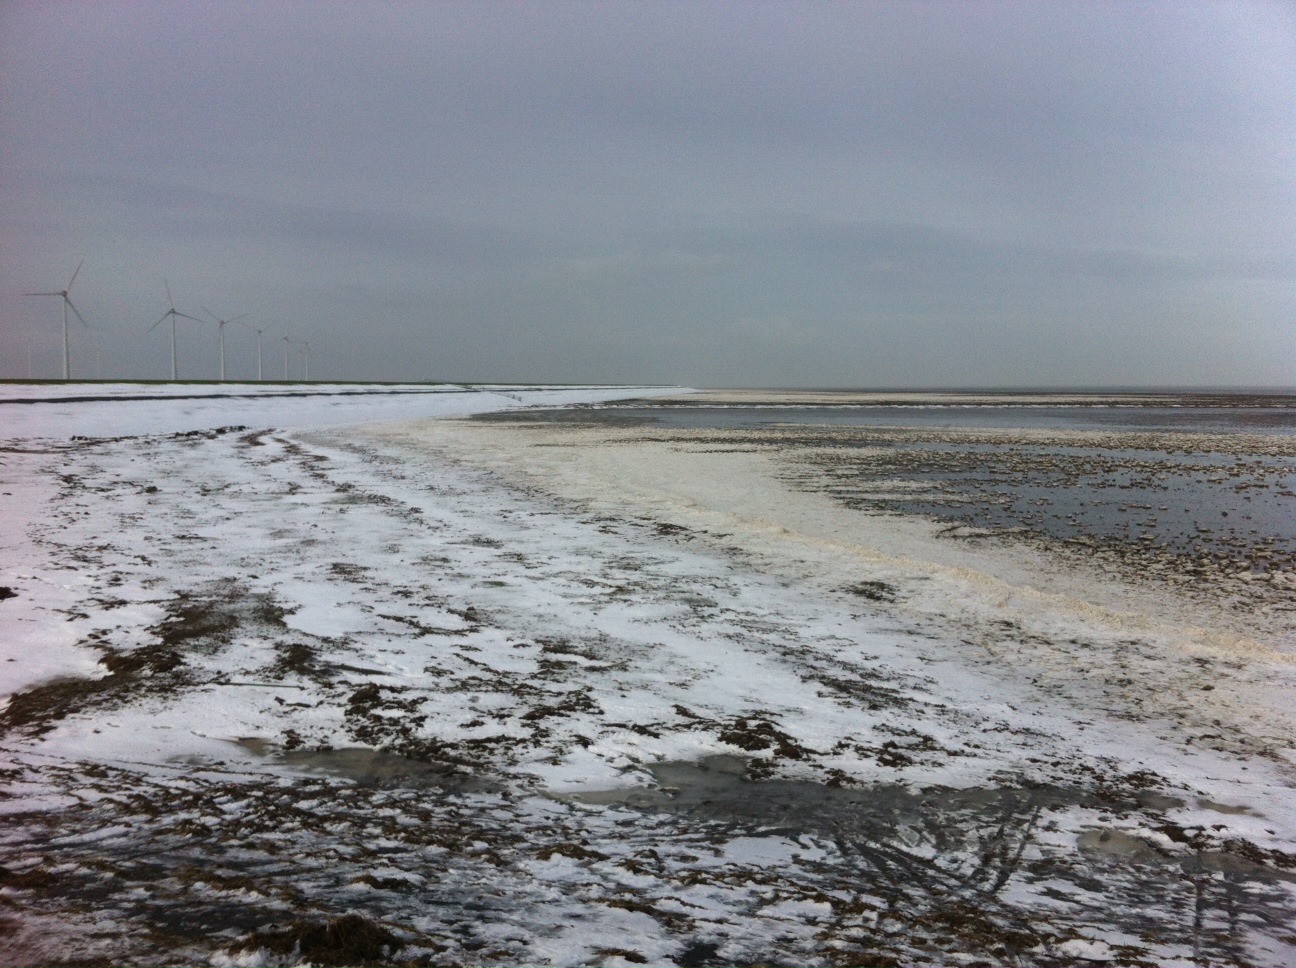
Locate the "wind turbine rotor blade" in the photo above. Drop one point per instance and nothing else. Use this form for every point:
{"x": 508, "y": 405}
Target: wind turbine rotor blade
{"x": 236, "y": 318}
{"x": 42, "y": 294}
{"x": 187, "y": 316}
{"x": 74, "y": 275}
{"x": 78, "y": 314}
{"x": 170, "y": 300}
{"x": 159, "y": 322}
{"x": 209, "y": 312}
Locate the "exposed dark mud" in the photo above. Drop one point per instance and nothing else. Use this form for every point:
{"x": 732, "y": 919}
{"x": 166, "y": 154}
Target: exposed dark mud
{"x": 347, "y": 940}
{"x": 874, "y": 591}
{"x": 200, "y": 622}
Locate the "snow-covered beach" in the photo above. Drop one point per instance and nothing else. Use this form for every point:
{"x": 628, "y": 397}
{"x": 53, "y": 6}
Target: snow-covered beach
{"x": 292, "y": 674}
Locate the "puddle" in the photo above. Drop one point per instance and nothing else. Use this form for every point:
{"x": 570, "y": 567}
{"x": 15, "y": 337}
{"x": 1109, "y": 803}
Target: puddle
{"x": 256, "y": 745}
{"x": 370, "y": 768}
{"x": 1221, "y": 807}
{"x": 1115, "y": 845}
{"x": 716, "y": 788}
{"x": 888, "y": 820}
{"x": 1159, "y": 801}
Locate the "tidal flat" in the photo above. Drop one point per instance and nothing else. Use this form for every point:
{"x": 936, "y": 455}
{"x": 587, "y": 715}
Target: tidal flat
{"x": 627, "y": 683}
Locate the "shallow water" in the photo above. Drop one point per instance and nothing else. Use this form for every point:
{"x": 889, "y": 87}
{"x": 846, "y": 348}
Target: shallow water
{"x": 1211, "y": 504}
{"x": 1174, "y": 497}
{"x": 1252, "y": 420}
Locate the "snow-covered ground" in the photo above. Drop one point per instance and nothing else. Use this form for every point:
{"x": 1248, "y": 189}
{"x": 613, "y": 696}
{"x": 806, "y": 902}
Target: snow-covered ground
{"x": 39, "y": 410}
{"x": 277, "y": 692}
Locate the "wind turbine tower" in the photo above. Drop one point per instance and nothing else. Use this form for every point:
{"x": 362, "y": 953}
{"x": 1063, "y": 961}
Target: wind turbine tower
{"x": 306, "y": 344}
{"x": 285, "y": 339}
{"x": 67, "y": 304}
{"x": 260, "y": 371}
{"x": 173, "y": 313}
{"x": 222, "y": 323}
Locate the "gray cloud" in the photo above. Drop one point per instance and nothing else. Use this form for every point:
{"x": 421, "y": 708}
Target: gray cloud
{"x": 714, "y": 193}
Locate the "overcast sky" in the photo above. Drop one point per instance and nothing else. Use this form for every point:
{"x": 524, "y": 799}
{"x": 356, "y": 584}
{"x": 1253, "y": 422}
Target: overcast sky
{"x": 715, "y": 194}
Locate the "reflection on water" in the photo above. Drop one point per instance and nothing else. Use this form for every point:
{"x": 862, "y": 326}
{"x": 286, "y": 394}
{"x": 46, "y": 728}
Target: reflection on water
{"x": 966, "y": 863}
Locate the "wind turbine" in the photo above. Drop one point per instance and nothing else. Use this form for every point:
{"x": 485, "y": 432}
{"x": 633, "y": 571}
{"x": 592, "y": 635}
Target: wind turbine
{"x": 222, "y": 323}
{"x": 258, "y": 332}
{"x": 67, "y": 304}
{"x": 173, "y": 313}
